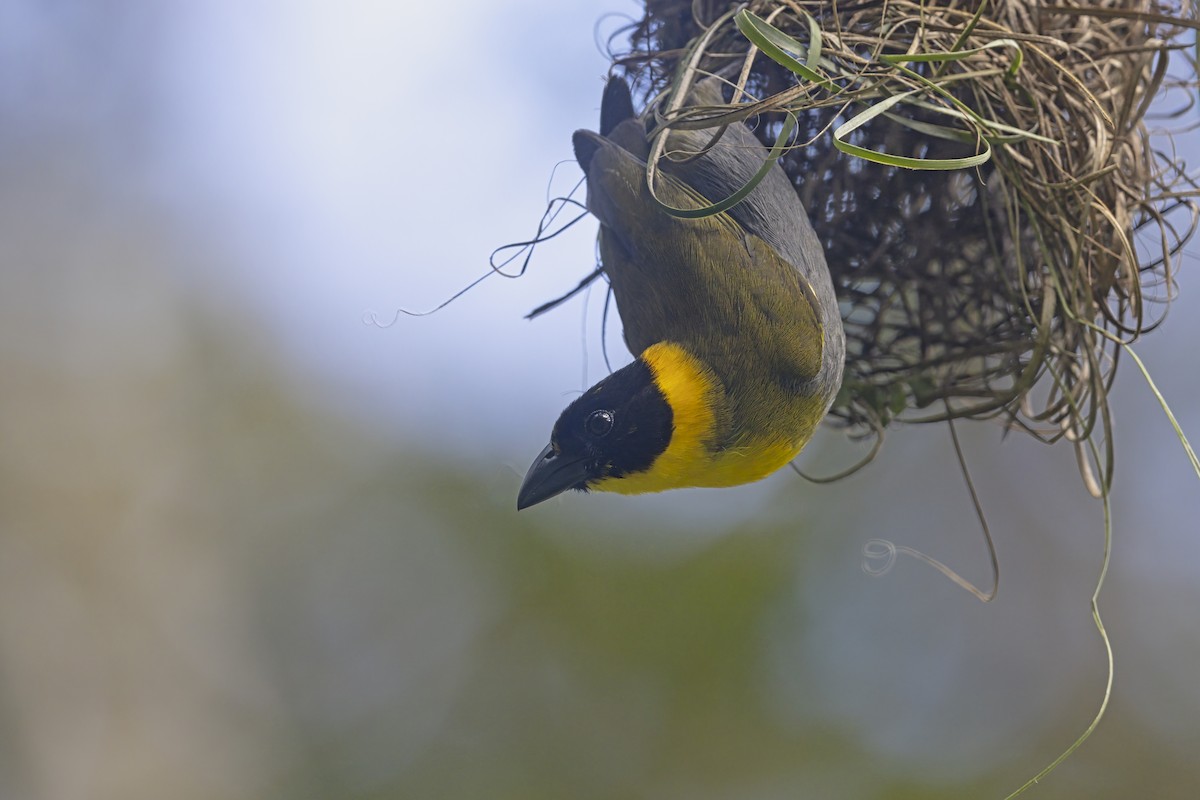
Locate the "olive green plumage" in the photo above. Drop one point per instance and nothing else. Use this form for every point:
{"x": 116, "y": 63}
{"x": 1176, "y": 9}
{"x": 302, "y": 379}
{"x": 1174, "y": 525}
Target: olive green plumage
{"x": 732, "y": 317}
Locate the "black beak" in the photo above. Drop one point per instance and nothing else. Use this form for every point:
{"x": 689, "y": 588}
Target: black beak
{"x": 550, "y": 474}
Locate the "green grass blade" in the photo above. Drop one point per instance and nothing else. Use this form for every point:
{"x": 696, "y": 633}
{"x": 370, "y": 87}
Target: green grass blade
{"x": 959, "y": 55}
{"x": 776, "y": 44}
{"x": 858, "y": 120}
{"x": 789, "y": 126}
{"x": 1162, "y": 402}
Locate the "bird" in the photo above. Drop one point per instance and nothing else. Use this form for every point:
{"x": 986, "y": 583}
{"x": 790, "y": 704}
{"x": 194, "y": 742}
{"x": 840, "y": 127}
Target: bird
{"x": 732, "y": 318}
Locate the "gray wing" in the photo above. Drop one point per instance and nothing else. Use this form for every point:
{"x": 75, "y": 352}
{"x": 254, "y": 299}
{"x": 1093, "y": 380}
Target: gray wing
{"x": 772, "y": 211}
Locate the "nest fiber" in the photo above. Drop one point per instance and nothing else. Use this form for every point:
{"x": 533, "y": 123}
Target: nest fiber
{"x": 999, "y": 215}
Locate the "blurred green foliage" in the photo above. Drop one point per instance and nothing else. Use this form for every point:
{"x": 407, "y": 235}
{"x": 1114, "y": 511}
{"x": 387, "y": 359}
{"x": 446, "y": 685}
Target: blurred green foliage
{"x": 214, "y": 589}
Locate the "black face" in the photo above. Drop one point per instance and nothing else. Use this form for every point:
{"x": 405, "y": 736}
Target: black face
{"x": 617, "y": 427}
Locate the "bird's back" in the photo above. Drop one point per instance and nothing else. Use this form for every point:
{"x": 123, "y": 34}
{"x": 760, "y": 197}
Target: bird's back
{"x": 747, "y": 290}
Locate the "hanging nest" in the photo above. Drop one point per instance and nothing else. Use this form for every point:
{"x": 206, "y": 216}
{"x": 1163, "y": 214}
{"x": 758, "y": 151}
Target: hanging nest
{"x": 997, "y": 216}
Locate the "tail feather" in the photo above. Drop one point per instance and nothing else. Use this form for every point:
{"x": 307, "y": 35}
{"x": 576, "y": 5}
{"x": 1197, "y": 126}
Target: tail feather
{"x": 616, "y": 106}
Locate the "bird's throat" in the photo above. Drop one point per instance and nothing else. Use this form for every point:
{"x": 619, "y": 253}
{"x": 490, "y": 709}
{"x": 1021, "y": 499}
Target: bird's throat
{"x": 696, "y": 454}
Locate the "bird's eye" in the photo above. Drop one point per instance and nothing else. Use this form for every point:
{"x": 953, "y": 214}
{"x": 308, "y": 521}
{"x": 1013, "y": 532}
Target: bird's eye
{"x": 599, "y": 423}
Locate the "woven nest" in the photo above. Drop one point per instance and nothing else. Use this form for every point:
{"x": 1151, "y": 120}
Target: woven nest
{"x": 1004, "y": 290}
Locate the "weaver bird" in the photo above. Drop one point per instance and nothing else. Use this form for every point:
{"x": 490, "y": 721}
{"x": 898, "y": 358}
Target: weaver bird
{"x": 732, "y": 317}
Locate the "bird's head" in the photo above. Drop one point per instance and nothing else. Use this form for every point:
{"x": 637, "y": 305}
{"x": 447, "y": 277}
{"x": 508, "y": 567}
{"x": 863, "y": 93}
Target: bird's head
{"x": 618, "y": 427}
{"x": 648, "y": 427}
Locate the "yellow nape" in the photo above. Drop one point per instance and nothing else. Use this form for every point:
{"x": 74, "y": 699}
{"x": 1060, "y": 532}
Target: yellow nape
{"x": 697, "y": 400}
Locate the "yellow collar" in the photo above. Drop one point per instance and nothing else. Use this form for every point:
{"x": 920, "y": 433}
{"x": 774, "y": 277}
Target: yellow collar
{"x": 693, "y": 456}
